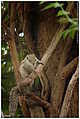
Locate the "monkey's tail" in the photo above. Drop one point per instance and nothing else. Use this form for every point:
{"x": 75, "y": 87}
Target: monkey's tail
{"x": 13, "y": 101}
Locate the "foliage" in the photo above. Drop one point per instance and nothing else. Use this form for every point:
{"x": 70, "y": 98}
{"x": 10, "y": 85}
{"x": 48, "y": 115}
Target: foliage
{"x": 64, "y": 17}
{"x": 7, "y": 74}
{"x": 7, "y": 71}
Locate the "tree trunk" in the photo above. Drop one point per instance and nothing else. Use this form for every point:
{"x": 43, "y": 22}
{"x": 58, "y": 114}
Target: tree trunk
{"x": 14, "y": 58}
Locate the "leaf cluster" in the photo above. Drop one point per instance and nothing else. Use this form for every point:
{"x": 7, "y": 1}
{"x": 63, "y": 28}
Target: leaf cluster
{"x": 64, "y": 17}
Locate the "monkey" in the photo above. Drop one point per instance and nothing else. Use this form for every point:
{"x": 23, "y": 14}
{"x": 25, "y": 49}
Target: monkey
{"x": 27, "y": 66}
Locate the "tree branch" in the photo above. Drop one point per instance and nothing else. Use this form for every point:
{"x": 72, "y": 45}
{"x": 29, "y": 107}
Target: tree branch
{"x": 39, "y": 102}
{"x": 61, "y": 78}
{"x": 68, "y": 95}
{"x": 69, "y": 68}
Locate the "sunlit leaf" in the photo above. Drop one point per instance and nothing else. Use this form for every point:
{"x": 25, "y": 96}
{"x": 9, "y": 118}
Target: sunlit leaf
{"x": 51, "y": 5}
{"x": 56, "y": 5}
{"x": 42, "y": 2}
{"x": 62, "y": 13}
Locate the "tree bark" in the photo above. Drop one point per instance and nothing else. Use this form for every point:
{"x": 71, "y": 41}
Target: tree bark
{"x": 14, "y": 58}
{"x": 60, "y": 84}
{"x": 68, "y": 95}
{"x": 48, "y": 54}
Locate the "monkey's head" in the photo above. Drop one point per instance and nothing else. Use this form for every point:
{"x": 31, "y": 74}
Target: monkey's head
{"x": 33, "y": 59}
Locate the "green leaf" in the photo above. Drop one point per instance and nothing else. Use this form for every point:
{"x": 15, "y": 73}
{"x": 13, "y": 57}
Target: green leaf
{"x": 72, "y": 34}
{"x": 56, "y": 5}
{"x": 73, "y": 26}
{"x": 65, "y": 33}
{"x": 42, "y": 2}
{"x": 53, "y": 5}
{"x": 70, "y": 31}
{"x": 62, "y": 13}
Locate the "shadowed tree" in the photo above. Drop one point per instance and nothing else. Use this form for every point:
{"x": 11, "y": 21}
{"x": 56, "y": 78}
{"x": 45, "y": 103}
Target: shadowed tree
{"x": 42, "y": 35}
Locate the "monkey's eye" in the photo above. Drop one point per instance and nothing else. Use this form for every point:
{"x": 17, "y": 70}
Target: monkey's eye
{"x": 27, "y": 57}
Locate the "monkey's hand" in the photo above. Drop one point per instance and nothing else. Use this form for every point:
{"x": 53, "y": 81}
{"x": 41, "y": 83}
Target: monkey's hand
{"x": 13, "y": 101}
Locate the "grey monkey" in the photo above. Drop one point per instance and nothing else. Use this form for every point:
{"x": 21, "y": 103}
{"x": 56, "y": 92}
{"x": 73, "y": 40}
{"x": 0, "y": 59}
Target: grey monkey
{"x": 28, "y": 65}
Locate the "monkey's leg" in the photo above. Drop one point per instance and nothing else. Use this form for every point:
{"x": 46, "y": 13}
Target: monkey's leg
{"x": 13, "y": 101}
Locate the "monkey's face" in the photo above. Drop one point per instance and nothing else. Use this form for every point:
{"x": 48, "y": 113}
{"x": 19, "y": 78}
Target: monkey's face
{"x": 31, "y": 58}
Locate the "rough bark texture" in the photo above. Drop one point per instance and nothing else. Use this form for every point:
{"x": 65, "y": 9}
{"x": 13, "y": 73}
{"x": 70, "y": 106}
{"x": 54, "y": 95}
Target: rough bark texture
{"x": 54, "y": 61}
{"x": 69, "y": 92}
{"x": 49, "y": 27}
{"x": 55, "y": 57}
{"x": 32, "y": 48}
{"x": 58, "y": 57}
{"x": 14, "y": 58}
{"x": 74, "y": 106}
